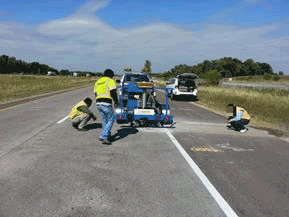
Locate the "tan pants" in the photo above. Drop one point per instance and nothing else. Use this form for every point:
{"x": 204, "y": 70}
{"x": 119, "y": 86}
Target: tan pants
{"x": 81, "y": 120}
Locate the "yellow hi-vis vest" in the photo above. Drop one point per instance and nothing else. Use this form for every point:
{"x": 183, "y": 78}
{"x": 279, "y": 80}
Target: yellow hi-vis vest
{"x": 103, "y": 87}
{"x": 245, "y": 113}
{"x": 75, "y": 112}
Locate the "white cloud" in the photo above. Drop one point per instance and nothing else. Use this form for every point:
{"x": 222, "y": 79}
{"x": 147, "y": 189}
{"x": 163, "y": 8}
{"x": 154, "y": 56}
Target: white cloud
{"x": 83, "y": 41}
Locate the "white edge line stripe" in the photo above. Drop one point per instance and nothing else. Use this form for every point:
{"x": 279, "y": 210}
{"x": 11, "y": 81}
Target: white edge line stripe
{"x": 213, "y": 191}
{"x": 62, "y": 120}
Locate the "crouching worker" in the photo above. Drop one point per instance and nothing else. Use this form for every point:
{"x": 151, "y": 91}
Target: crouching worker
{"x": 80, "y": 114}
{"x": 239, "y": 119}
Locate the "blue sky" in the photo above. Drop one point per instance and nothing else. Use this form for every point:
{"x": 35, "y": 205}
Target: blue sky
{"x": 98, "y": 34}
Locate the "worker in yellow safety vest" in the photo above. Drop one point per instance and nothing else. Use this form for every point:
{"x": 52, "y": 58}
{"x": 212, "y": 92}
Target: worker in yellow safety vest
{"x": 80, "y": 114}
{"x": 239, "y": 119}
{"x": 105, "y": 94}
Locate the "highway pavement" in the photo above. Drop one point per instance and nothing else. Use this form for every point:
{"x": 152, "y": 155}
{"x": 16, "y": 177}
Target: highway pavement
{"x": 198, "y": 168}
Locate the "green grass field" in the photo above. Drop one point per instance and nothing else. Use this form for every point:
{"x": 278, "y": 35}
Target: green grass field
{"x": 15, "y": 86}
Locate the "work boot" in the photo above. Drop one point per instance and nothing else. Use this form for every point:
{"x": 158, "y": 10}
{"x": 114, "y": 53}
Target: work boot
{"x": 243, "y": 130}
{"x": 75, "y": 125}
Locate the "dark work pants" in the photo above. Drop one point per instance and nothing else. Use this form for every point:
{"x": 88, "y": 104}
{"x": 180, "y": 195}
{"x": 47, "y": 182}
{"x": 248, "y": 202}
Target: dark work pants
{"x": 239, "y": 125}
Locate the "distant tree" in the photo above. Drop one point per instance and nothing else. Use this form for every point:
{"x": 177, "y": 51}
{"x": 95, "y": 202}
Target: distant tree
{"x": 266, "y": 68}
{"x": 276, "y": 77}
{"x": 207, "y": 66}
{"x": 281, "y": 73}
{"x": 35, "y": 67}
{"x": 64, "y": 72}
{"x": 213, "y": 76}
{"x": 147, "y": 68}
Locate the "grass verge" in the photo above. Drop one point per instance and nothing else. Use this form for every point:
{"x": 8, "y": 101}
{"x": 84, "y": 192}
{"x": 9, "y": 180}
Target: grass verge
{"x": 262, "y": 78}
{"x": 15, "y": 86}
{"x": 268, "y": 108}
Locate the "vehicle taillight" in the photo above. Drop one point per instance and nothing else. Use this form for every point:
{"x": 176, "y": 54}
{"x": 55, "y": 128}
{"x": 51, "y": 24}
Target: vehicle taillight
{"x": 167, "y": 118}
{"x": 119, "y": 117}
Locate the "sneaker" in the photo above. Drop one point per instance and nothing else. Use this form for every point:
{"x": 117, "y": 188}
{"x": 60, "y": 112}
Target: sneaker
{"x": 106, "y": 142}
{"x": 75, "y": 126}
{"x": 243, "y": 130}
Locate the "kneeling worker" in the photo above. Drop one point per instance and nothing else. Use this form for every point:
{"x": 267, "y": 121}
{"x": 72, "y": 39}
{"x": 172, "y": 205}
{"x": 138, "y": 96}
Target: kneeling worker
{"x": 239, "y": 119}
{"x": 80, "y": 114}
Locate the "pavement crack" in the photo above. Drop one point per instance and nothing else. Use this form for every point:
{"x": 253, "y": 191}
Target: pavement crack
{"x": 26, "y": 140}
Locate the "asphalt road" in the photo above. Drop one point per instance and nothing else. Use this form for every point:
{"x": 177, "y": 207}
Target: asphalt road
{"x": 199, "y": 168}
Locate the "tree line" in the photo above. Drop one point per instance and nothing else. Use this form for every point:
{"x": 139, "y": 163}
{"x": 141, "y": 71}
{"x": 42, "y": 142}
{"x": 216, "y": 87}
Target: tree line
{"x": 225, "y": 67}
{"x": 10, "y": 65}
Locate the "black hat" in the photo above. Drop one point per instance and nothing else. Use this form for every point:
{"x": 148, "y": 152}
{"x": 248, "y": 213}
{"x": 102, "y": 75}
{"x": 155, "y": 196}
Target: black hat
{"x": 108, "y": 73}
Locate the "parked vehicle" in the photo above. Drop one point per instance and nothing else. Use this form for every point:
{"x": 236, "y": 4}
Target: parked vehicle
{"x": 183, "y": 85}
{"x": 132, "y": 78}
{"x": 51, "y": 73}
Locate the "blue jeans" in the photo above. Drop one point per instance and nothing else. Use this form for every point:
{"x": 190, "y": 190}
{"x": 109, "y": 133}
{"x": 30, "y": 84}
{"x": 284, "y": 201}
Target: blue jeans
{"x": 106, "y": 114}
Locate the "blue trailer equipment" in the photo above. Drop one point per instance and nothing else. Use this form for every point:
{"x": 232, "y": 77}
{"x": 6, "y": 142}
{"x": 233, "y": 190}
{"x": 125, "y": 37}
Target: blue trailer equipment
{"x": 139, "y": 107}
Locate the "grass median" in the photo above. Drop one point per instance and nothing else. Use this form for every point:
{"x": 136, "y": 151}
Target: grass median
{"x": 15, "y": 86}
{"x": 268, "y": 108}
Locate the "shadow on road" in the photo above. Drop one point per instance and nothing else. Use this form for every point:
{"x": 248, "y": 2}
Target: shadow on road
{"x": 122, "y": 133}
{"x": 186, "y": 99}
{"x": 93, "y": 126}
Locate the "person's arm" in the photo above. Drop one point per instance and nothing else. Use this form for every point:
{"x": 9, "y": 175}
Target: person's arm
{"x": 87, "y": 111}
{"x": 238, "y": 117}
{"x": 114, "y": 96}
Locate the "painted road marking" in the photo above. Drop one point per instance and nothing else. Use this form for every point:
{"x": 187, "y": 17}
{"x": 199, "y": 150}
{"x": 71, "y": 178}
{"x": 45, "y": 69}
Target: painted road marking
{"x": 229, "y": 147}
{"x": 62, "y": 120}
{"x": 213, "y": 191}
{"x": 205, "y": 149}
{"x": 201, "y": 123}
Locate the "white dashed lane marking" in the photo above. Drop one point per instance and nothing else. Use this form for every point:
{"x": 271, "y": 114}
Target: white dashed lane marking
{"x": 62, "y": 120}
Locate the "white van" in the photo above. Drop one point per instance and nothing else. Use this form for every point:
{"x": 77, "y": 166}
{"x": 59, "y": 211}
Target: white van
{"x": 183, "y": 85}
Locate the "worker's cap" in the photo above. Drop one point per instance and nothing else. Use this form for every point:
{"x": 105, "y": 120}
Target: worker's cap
{"x": 108, "y": 73}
